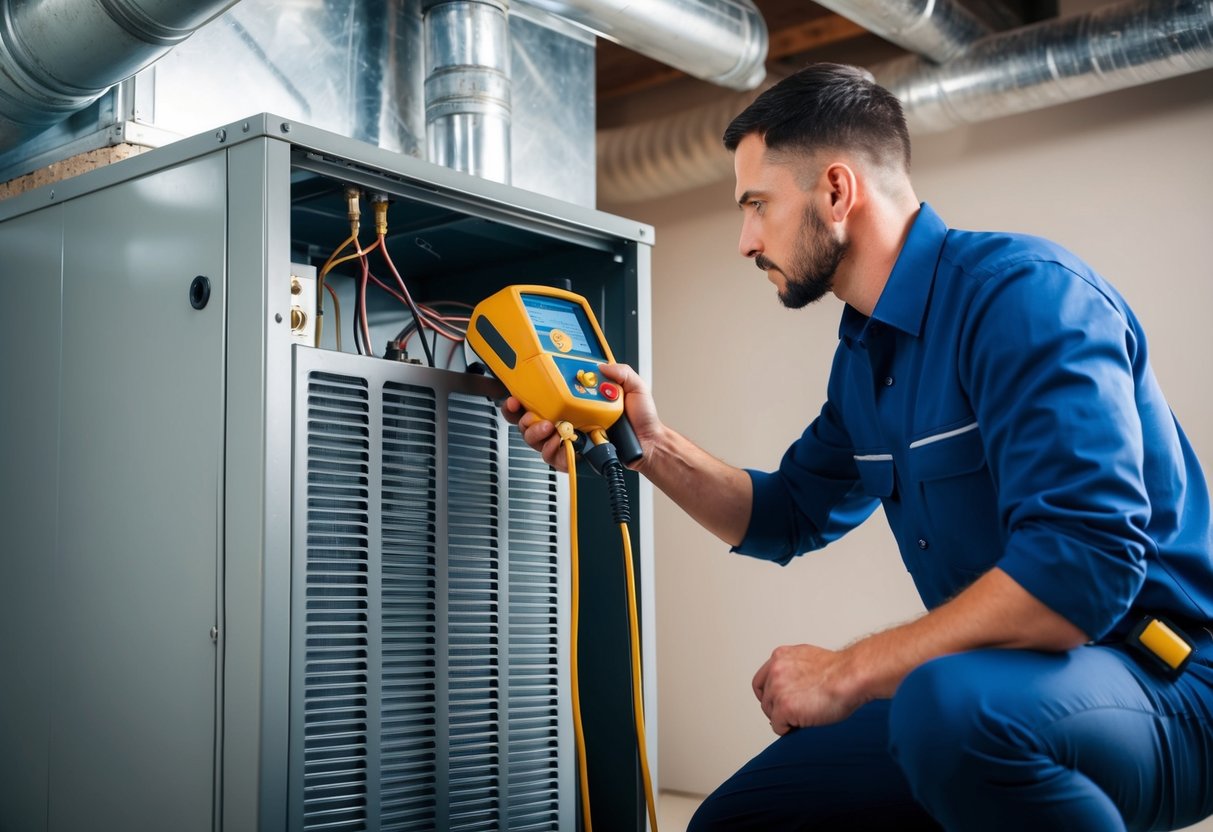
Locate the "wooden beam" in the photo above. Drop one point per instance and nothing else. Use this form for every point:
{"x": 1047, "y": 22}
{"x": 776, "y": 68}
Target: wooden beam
{"x": 812, "y": 34}
{"x": 801, "y": 37}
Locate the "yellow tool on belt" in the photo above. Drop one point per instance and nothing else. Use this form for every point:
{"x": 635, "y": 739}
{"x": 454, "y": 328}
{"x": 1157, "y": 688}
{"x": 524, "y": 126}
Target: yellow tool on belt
{"x": 1162, "y": 644}
{"x": 545, "y": 345}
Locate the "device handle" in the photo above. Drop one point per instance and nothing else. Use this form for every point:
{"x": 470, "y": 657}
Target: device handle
{"x": 623, "y": 437}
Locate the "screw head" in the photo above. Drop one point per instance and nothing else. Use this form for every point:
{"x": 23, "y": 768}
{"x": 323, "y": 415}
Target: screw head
{"x": 221, "y": 135}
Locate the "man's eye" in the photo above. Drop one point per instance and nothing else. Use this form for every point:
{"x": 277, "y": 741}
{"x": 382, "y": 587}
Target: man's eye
{"x": 756, "y": 205}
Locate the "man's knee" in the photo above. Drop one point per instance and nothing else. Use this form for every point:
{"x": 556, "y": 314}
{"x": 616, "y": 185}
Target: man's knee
{"x": 947, "y": 722}
{"x": 707, "y": 817}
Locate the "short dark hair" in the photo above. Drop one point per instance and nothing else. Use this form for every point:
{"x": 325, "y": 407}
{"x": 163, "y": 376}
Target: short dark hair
{"x": 827, "y": 106}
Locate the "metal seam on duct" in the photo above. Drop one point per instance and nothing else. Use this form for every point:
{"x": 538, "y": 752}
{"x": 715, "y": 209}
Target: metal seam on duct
{"x": 938, "y": 29}
{"x": 140, "y": 24}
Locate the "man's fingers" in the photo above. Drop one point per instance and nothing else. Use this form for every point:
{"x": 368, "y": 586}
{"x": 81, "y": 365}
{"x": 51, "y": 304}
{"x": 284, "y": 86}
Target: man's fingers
{"x": 760, "y": 679}
{"x": 512, "y": 410}
{"x": 624, "y": 375}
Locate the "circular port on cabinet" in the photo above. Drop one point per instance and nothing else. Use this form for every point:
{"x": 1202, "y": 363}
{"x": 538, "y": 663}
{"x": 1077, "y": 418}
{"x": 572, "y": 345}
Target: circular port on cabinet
{"x": 200, "y": 291}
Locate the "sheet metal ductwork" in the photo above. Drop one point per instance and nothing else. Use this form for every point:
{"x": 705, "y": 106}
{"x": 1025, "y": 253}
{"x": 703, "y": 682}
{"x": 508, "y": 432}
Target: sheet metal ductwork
{"x": 936, "y": 29}
{"x": 1037, "y": 66}
{"x": 1122, "y": 45}
{"x": 467, "y": 86}
{"x": 58, "y": 56}
{"x": 722, "y": 41}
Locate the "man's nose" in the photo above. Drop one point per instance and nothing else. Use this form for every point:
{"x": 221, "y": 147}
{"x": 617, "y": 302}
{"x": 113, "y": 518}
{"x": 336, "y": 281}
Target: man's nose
{"x": 748, "y": 244}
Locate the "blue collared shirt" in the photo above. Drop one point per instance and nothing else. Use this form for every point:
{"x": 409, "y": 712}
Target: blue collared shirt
{"x": 1000, "y": 404}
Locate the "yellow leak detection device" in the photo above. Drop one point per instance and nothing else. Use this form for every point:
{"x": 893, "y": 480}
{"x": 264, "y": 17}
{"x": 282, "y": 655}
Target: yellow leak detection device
{"x": 545, "y": 345}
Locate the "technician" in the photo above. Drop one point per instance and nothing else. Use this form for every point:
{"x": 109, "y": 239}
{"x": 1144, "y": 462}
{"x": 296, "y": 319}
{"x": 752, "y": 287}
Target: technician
{"x": 994, "y": 394}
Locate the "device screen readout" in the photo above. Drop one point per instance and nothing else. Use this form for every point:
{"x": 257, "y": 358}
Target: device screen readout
{"x": 562, "y": 326}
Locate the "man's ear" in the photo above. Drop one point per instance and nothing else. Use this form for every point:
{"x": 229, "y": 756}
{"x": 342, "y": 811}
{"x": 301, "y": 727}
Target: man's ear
{"x": 842, "y": 188}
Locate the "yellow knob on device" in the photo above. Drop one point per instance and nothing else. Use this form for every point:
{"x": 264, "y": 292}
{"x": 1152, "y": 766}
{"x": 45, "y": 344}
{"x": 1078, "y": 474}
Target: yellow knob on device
{"x": 587, "y": 378}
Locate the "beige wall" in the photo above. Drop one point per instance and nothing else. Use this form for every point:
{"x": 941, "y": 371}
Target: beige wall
{"x": 1126, "y": 180}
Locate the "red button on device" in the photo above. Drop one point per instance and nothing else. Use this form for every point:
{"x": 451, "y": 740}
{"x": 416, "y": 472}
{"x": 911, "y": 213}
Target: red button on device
{"x": 609, "y": 391}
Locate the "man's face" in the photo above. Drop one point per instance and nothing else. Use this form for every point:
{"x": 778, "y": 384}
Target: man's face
{"x": 781, "y": 229}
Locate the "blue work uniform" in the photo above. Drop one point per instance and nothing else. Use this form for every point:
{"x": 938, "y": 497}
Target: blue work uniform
{"x": 999, "y": 403}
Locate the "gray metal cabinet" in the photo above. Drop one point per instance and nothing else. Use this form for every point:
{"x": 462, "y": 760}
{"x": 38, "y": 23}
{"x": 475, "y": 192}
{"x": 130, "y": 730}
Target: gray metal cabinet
{"x": 250, "y": 584}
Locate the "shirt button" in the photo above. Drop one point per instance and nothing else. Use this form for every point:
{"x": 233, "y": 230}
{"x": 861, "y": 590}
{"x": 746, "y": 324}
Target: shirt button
{"x": 922, "y": 543}
{"x": 888, "y": 381}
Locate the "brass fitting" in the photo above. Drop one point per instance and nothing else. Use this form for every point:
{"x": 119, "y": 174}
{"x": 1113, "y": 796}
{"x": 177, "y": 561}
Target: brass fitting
{"x": 353, "y": 196}
{"x": 380, "y": 202}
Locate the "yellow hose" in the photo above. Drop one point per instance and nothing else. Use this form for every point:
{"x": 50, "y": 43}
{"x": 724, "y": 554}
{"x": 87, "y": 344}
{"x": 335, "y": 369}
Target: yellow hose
{"x": 637, "y": 679}
{"x": 566, "y": 433}
{"x": 578, "y": 732}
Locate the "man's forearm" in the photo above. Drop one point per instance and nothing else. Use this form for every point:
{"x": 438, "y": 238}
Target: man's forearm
{"x": 803, "y": 685}
{"x": 717, "y": 495}
{"x": 994, "y": 611}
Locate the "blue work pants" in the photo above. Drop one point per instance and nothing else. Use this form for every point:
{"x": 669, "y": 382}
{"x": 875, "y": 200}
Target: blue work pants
{"x": 1084, "y": 741}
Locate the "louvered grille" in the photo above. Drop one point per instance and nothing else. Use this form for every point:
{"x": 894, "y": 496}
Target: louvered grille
{"x": 474, "y": 556}
{"x": 335, "y": 675}
{"x": 534, "y": 681}
{"x": 409, "y": 739}
{"x": 426, "y": 630}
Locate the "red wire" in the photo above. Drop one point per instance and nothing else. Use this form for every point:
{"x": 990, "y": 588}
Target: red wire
{"x": 366, "y": 271}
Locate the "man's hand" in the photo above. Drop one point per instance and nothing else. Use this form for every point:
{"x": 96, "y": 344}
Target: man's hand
{"x": 803, "y": 685}
{"x": 806, "y": 685}
{"x": 541, "y": 434}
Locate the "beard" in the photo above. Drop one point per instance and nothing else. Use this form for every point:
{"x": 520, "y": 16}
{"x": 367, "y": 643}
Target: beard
{"x": 813, "y": 264}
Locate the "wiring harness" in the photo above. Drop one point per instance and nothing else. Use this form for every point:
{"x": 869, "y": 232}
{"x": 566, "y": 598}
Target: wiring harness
{"x": 449, "y": 325}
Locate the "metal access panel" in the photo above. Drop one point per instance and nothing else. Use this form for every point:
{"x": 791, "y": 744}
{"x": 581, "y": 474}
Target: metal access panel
{"x": 429, "y": 671}
{"x": 111, "y": 436}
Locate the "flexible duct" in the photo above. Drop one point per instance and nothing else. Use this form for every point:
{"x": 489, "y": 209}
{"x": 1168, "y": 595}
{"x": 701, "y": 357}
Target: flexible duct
{"x": 657, "y": 158}
{"x": 722, "y": 41}
{"x": 58, "y": 56}
{"x": 936, "y": 29}
{"x": 1048, "y": 63}
{"x": 1123, "y": 45}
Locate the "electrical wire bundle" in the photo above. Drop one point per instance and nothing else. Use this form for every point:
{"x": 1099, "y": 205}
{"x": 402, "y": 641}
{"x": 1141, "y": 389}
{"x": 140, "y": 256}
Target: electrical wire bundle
{"x": 449, "y": 326}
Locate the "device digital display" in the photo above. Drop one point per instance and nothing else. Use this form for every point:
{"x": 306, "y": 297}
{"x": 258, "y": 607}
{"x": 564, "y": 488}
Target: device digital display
{"x": 562, "y": 326}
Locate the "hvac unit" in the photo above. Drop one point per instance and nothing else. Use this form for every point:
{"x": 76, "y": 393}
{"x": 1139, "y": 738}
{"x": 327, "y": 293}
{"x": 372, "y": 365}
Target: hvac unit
{"x": 252, "y": 581}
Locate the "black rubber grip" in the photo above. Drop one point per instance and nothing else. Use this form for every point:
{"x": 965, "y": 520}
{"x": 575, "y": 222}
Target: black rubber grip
{"x": 624, "y": 439}
{"x": 495, "y": 340}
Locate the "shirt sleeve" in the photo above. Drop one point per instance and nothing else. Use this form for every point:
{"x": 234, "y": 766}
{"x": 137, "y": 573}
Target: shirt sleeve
{"x": 1048, "y": 362}
{"x": 813, "y": 498}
